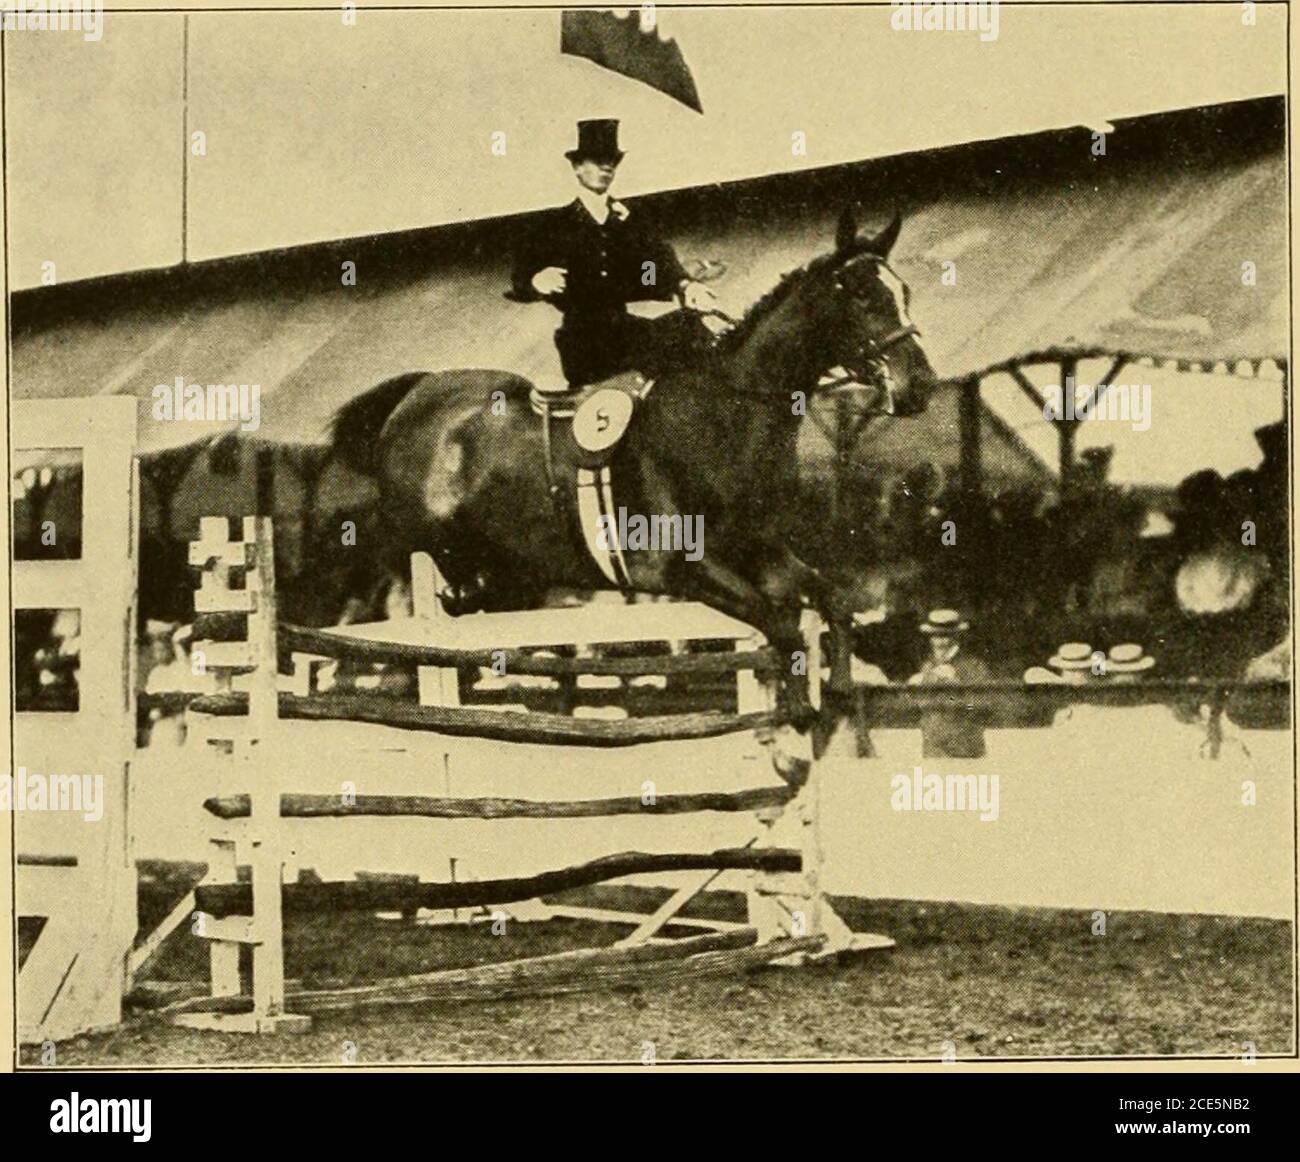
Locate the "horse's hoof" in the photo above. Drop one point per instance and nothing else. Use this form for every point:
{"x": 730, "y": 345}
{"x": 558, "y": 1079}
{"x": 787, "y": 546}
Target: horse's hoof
{"x": 792, "y": 755}
{"x": 457, "y": 601}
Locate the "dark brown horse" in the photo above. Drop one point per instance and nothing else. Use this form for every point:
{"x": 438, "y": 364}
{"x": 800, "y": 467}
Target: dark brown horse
{"x": 461, "y": 468}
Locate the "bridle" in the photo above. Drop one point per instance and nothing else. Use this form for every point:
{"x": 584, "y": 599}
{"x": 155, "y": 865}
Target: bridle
{"x": 871, "y": 353}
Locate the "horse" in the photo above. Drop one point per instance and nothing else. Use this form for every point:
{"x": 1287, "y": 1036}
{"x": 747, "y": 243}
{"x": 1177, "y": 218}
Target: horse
{"x": 462, "y": 469}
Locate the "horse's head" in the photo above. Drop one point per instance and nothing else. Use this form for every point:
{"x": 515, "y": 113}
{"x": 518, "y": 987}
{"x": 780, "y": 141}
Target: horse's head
{"x": 872, "y": 347}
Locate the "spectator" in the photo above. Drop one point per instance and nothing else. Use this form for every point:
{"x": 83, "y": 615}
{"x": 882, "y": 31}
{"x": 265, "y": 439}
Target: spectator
{"x": 949, "y": 733}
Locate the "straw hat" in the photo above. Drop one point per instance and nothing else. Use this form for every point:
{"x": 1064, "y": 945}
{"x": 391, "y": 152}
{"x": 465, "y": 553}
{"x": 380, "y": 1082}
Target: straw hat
{"x": 1129, "y": 658}
{"x": 944, "y": 621}
{"x": 1072, "y": 656}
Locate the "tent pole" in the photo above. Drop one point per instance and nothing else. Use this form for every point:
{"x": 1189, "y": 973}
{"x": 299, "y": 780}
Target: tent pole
{"x": 1069, "y": 365}
{"x": 971, "y": 468}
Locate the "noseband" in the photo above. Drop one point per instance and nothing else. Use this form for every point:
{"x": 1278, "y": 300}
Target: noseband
{"x": 874, "y": 348}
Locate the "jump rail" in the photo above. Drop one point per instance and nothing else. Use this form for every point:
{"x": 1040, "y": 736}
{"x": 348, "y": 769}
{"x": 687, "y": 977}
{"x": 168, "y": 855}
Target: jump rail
{"x": 317, "y": 641}
{"x": 500, "y": 726}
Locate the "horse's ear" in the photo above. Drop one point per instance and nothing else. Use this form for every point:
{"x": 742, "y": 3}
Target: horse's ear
{"x": 883, "y": 242}
{"x": 846, "y": 230}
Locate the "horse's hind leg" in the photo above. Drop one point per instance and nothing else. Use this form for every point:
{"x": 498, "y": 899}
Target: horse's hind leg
{"x": 460, "y": 562}
{"x": 479, "y": 576}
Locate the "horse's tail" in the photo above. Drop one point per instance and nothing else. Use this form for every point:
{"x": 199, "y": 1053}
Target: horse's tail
{"x": 355, "y": 428}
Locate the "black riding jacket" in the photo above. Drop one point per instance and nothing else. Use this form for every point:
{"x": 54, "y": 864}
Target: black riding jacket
{"x": 607, "y": 264}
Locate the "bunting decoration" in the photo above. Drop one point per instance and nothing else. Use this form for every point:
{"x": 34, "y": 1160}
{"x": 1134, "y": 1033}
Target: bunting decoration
{"x": 629, "y": 45}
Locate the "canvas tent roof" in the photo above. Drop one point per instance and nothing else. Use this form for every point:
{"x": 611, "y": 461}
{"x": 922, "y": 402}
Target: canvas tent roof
{"x": 1140, "y": 251}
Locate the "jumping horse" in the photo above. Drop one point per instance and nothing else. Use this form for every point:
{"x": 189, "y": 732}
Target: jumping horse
{"x": 463, "y": 472}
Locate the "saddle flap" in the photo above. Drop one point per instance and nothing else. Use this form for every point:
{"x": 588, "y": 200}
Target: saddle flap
{"x": 601, "y": 419}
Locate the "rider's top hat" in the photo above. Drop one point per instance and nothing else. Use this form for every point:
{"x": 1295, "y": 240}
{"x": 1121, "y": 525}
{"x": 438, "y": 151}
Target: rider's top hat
{"x": 597, "y": 141}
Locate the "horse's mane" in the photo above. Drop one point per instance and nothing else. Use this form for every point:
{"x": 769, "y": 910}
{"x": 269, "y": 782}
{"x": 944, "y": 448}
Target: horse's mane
{"x": 738, "y": 335}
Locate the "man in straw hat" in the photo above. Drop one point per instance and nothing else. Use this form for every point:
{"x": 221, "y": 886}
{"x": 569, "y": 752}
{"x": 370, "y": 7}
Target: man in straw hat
{"x": 949, "y": 733}
{"x": 1073, "y": 664}
{"x": 594, "y": 258}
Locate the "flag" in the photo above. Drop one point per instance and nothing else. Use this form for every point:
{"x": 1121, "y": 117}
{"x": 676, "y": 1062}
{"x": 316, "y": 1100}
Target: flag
{"x": 623, "y": 46}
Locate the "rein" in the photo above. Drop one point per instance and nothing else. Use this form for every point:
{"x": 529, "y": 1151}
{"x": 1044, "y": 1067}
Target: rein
{"x": 871, "y": 351}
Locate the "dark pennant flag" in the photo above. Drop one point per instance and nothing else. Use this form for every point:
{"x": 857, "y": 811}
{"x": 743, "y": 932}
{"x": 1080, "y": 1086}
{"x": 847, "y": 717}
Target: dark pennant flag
{"x": 619, "y": 44}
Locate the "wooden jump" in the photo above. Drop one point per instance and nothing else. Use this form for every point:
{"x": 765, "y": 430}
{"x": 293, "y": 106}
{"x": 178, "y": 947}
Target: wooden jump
{"x": 496, "y": 725}
{"x": 788, "y": 916}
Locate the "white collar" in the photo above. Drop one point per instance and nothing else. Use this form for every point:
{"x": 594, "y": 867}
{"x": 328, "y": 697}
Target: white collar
{"x": 600, "y": 206}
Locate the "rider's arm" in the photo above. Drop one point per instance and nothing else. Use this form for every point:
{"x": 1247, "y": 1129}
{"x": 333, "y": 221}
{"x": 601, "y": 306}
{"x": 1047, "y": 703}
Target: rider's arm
{"x": 531, "y": 254}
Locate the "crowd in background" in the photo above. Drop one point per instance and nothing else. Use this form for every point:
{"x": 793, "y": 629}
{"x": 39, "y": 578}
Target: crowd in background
{"x": 1202, "y": 578}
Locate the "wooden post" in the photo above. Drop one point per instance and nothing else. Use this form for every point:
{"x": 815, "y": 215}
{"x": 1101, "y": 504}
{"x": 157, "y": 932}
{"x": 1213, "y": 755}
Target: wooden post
{"x": 971, "y": 466}
{"x": 262, "y": 778}
{"x": 438, "y": 687}
{"x": 1068, "y": 425}
{"x": 847, "y": 430}
{"x": 245, "y": 742}
{"x": 788, "y": 904}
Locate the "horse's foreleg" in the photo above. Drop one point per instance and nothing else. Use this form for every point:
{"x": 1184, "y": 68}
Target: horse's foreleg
{"x": 832, "y": 602}
{"x": 775, "y": 609}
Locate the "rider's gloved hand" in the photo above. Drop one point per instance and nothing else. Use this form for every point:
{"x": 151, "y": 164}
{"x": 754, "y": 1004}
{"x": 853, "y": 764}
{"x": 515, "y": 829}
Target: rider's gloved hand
{"x": 550, "y": 281}
{"x": 697, "y": 297}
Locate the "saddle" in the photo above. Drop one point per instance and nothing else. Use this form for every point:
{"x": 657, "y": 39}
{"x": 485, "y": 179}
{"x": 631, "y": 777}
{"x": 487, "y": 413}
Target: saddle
{"x": 583, "y": 427}
{"x": 581, "y": 432}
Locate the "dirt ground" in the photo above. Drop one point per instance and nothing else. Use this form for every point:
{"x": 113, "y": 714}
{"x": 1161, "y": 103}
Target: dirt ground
{"x": 974, "y": 981}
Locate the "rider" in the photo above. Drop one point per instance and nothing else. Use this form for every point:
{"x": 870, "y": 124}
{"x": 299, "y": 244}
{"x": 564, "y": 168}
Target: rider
{"x": 592, "y": 260}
